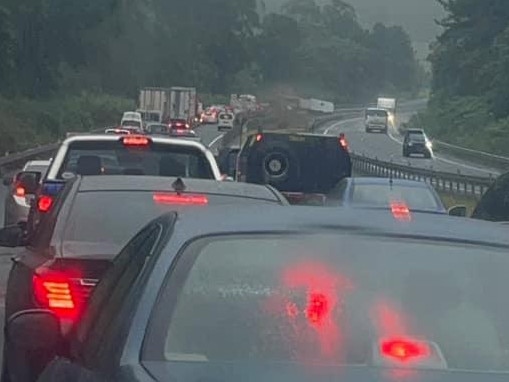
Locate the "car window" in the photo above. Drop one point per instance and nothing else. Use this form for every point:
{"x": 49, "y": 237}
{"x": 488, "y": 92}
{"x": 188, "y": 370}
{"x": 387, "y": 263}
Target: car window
{"x": 109, "y": 295}
{"x": 156, "y": 159}
{"x": 226, "y": 116}
{"x": 417, "y": 198}
{"x": 329, "y": 300}
{"x": 417, "y": 137}
{"x": 90, "y": 230}
{"x": 377, "y": 113}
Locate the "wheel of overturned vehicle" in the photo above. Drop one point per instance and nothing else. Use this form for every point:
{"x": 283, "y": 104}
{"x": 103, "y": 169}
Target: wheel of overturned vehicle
{"x": 276, "y": 165}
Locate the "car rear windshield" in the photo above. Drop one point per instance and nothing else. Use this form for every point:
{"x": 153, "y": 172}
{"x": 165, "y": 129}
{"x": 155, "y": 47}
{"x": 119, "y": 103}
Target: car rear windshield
{"x": 226, "y": 116}
{"x": 111, "y": 218}
{"x": 261, "y": 307}
{"x": 381, "y": 195}
{"x": 114, "y": 158}
{"x": 131, "y": 123}
{"x": 417, "y": 137}
{"x": 377, "y": 113}
{"x": 38, "y": 168}
{"x": 157, "y": 129}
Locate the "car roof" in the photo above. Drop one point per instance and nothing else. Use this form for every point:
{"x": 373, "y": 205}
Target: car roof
{"x": 155, "y": 139}
{"x": 158, "y": 183}
{"x": 386, "y": 181}
{"x": 371, "y": 221}
{"x": 415, "y": 131}
{"x": 38, "y": 163}
{"x": 376, "y": 109}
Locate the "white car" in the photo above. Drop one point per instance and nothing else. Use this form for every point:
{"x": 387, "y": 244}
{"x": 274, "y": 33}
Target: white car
{"x": 209, "y": 116}
{"x": 132, "y": 119}
{"x": 225, "y": 121}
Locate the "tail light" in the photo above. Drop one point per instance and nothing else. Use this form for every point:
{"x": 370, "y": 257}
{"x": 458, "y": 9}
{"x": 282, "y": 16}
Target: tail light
{"x": 180, "y": 199}
{"x": 65, "y": 291}
{"x": 343, "y": 142}
{"x": 20, "y": 191}
{"x": 135, "y": 140}
{"x": 259, "y": 137}
{"x": 44, "y": 203}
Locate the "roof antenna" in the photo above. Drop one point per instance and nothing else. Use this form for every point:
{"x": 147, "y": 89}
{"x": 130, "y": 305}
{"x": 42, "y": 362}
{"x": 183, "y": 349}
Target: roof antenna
{"x": 179, "y": 186}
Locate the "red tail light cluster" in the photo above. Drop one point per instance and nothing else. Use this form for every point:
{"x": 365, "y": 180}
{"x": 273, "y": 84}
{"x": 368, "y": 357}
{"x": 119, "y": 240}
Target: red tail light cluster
{"x": 20, "y": 191}
{"x": 404, "y": 350}
{"x": 44, "y": 203}
{"x": 343, "y": 142}
{"x": 64, "y": 293}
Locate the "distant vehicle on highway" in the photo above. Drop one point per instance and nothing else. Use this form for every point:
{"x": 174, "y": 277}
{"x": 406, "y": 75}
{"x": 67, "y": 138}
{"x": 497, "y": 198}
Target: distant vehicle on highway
{"x": 415, "y": 141}
{"x": 210, "y": 116}
{"x": 21, "y": 192}
{"x": 301, "y": 287}
{"x": 300, "y": 165}
{"x": 376, "y": 119}
{"x": 225, "y": 121}
{"x": 93, "y": 220}
{"x": 185, "y": 134}
{"x": 132, "y": 120}
{"x": 387, "y": 192}
{"x": 118, "y": 131}
{"x": 178, "y": 124}
{"x": 157, "y": 129}
{"x": 494, "y": 204}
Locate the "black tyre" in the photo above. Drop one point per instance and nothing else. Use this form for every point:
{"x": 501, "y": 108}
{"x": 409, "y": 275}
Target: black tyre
{"x": 427, "y": 155}
{"x": 280, "y": 167}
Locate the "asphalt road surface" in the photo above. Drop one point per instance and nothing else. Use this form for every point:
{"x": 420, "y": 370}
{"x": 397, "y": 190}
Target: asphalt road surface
{"x": 389, "y": 147}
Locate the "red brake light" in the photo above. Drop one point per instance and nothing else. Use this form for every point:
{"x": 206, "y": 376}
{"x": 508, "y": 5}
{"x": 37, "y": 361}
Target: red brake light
{"x": 53, "y": 291}
{"x": 404, "y": 350}
{"x": 44, "y": 203}
{"x": 318, "y": 308}
{"x": 400, "y": 211}
{"x": 185, "y": 199}
{"x": 135, "y": 140}
{"x": 20, "y": 191}
{"x": 259, "y": 137}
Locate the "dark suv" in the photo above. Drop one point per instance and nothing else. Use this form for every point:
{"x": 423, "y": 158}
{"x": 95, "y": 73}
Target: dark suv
{"x": 416, "y": 142}
{"x": 294, "y": 163}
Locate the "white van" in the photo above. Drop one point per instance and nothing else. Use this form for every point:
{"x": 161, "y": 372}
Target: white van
{"x": 132, "y": 120}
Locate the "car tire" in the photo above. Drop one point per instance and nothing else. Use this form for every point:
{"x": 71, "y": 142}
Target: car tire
{"x": 280, "y": 168}
{"x": 427, "y": 155}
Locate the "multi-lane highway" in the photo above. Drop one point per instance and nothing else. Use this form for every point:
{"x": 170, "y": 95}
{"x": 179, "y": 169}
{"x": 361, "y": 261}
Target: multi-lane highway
{"x": 384, "y": 147}
{"x": 389, "y": 147}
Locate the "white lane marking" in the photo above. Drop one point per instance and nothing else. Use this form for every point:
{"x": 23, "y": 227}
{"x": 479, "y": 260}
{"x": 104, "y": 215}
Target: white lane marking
{"x": 216, "y": 139}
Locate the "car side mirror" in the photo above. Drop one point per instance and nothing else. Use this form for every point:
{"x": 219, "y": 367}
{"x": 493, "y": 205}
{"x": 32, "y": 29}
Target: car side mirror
{"x": 13, "y": 236}
{"x": 7, "y": 180}
{"x": 460, "y": 211}
{"x": 29, "y": 180}
{"x": 34, "y": 339}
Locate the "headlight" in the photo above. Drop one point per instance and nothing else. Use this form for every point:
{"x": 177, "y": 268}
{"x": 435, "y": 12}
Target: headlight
{"x": 429, "y": 145}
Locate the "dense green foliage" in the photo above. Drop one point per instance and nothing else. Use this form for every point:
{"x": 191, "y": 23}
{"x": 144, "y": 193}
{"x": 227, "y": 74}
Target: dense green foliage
{"x": 470, "y": 90}
{"x": 56, "y": 49}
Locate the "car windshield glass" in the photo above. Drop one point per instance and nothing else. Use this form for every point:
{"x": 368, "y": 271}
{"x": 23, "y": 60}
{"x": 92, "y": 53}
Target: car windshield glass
{"x": 131, "y": 123}
{"x": 382, "y": 195}
{"x": 157, "y": 129}
{"x": 37, "y": 168}
{"x": 226, "y": 116}
{"x": 128, "y": 211}
{"x": 417, "y": 137}
{"x": 376, "y": 113}
{"x": 113, "y": 158}
{"x": 327, "y": 300}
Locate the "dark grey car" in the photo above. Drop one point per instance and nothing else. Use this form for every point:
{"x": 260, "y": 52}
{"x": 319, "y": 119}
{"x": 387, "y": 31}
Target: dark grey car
{"x": 416, "y": 142}
{"x": 289, "y": 294}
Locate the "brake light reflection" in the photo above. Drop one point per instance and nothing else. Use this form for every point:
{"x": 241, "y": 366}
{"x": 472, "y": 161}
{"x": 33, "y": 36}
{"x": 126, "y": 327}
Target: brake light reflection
{"x": 325, "y": 292}
{"x": 404, "y": 349}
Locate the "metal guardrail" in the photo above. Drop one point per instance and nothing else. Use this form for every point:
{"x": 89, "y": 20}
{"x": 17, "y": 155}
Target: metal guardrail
{"x": 441, "y": 181}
